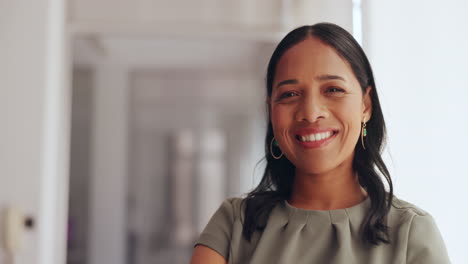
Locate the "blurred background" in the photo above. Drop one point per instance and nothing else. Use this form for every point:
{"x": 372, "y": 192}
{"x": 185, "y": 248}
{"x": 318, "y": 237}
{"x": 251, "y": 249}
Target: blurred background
{"x": 127, "y": 123}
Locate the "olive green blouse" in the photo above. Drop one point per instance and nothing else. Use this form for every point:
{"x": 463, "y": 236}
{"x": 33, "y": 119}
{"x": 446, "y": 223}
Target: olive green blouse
{"x": 294, "y": 235}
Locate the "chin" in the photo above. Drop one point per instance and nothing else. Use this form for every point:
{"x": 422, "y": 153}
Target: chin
{"x": 314, "y": 168}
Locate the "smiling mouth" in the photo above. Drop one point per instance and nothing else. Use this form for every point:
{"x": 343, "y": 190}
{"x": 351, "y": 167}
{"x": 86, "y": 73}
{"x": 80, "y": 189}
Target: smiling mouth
{"x": 316, "y": 136}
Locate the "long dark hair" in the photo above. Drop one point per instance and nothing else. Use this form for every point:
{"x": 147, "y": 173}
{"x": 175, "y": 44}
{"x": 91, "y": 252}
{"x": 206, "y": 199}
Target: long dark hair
{"x": 276, "y": 184}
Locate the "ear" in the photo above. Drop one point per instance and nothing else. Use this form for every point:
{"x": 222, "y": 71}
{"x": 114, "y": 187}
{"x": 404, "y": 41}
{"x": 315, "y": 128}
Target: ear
{"x": 367, "y": 105}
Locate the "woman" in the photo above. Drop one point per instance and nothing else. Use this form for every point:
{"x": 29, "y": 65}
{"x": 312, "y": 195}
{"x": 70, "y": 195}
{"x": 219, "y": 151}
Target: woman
{"x": 321, "y": 198}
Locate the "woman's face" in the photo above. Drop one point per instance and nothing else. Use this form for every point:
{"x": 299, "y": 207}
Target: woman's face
{"x": 315, "y": 91}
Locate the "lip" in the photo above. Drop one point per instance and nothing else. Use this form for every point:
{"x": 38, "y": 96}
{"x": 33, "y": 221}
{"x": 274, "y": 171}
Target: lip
{"x": 318, "y": 143}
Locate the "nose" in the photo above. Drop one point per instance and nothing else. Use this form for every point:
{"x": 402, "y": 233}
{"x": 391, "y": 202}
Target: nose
{"x": 311, "y": 109}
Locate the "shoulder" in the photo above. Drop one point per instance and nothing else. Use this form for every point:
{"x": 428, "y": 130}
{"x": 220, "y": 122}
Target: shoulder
{"x": 233, "y": 201}
{"x": 410, "y": 217}
{"x": 234, "y": 207}
{"x": 424, "y": 240}
{"x": 404, "y": 212}
{"x": 402, "y": 206}
{"x": 217, "y": 233}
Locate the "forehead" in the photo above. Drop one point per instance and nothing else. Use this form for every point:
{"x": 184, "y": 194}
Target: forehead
{"x": 310, "y": 58}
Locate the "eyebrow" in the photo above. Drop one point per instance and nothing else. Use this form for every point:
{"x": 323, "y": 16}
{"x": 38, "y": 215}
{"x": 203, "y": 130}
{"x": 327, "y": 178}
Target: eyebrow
{"x": 290, "y": 81}
{"x": 325, "y": 77}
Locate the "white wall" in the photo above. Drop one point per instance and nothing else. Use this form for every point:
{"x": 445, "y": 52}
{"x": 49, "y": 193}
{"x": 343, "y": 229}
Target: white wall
{"x": 34, "y": 109}
{"x": 419, "y": 53}
{"x": 315, "y": 11}
{"x": 109, "y": 166}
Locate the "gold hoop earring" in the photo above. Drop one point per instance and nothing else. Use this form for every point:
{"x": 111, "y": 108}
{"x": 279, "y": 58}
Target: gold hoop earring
{"x": 363, "y": 133}
{"x": 271, "y": 149}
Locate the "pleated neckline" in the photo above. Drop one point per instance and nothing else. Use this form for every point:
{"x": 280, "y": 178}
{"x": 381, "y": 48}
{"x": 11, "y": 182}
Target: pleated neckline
{"x": 357, "y": 211}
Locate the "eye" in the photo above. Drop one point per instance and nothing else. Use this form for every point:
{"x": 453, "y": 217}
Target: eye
{"x": 287, "y": 95}
{"x": 335, "y": 89}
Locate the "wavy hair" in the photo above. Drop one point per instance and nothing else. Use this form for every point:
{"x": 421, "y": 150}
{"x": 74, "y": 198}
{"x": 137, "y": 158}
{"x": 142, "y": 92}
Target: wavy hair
{"x": 277, "y": 181}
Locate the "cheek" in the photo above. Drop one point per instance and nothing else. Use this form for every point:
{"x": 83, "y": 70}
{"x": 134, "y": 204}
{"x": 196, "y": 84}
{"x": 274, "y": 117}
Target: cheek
{"x": 351, "y": 116}
{"x": 281, "y": 122}
{"x": 279, "y": 118}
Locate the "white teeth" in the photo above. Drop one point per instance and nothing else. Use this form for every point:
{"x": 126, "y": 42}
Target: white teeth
{"x": 315, "y": 137}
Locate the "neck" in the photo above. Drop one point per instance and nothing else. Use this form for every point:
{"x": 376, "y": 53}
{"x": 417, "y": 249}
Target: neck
{"x": 331, "y": 190}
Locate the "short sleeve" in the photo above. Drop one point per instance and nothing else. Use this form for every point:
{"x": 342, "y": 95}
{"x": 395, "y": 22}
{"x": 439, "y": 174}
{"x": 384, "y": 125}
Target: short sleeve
{"x": 217, "y": 233}
{"x": 425, "y": 243}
